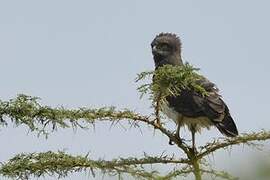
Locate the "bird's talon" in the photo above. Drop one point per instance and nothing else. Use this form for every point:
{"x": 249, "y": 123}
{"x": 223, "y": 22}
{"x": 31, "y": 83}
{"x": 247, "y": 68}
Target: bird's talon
{"x": 171, "y": 142}
{"x": 177, "y": 137}
{"x": 193, "y": 150}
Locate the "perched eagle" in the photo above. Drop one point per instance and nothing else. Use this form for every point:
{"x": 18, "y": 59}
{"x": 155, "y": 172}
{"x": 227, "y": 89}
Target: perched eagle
{"x": 191, "y": 108}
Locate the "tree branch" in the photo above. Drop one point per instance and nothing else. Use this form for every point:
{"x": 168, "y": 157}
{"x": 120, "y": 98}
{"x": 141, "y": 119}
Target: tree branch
{"x": 50, "y": 163}
{"x": 220, "y": 174}
{"x": 28, "y": 111}
{"x": 184, "y": 171}
{"x": 242, "y": 139}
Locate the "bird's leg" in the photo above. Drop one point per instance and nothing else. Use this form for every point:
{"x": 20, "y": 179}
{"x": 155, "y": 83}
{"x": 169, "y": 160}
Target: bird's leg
{"x": 193, "y": 140}
{"x": 157, "y": 111}
{"x": 177, "y": 134}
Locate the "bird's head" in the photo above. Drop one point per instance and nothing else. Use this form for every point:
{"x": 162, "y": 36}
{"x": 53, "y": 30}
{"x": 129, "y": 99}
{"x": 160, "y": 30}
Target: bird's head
{"x": 166, "y": 49}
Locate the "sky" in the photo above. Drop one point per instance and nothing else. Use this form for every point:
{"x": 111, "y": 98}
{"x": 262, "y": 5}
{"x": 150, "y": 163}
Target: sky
{"x": 87, "y": 54}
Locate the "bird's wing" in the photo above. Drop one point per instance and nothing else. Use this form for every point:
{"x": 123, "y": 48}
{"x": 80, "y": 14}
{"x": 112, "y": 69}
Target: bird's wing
{"x": 193, "y": 104}
{"x": 212, "y": 105}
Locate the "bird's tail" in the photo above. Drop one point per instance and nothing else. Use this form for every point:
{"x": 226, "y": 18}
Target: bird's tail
{"x": 227, "y": 126}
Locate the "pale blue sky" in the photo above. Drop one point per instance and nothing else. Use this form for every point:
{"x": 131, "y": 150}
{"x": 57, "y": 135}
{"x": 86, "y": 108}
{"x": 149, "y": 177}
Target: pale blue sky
{"x": 87, "y": 53}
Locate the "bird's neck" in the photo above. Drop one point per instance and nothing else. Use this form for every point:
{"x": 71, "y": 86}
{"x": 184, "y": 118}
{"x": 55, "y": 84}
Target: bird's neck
{"x": 174, "y": 60}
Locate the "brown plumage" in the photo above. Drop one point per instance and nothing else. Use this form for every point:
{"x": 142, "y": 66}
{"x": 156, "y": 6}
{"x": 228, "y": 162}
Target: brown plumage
{"x": 190, "y": 108}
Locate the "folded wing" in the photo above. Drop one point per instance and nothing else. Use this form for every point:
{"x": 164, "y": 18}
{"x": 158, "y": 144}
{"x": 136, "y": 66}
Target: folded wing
{"x": 192, "y": 104}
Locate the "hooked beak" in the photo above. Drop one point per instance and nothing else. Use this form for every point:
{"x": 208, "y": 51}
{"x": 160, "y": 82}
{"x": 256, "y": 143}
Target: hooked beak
{"x": 154, "y": 49}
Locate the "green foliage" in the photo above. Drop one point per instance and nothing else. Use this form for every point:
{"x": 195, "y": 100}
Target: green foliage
{"x": 23, "y": 166}
{"x": 170, "y": 80}
{"x": 26, "y": 110}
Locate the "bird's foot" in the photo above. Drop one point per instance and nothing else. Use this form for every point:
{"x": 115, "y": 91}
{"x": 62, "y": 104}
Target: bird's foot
{"x": 171, "y": 142}
{"x": 177, "y": 137}
{"x": 193, "y": 150}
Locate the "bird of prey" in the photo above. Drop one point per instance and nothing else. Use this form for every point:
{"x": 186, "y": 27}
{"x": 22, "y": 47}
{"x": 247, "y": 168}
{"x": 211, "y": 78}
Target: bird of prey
{"x": 189, "y": 107}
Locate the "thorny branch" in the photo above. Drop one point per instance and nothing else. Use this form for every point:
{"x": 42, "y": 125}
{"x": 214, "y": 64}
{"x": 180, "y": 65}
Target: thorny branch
{"x": 28, "y": 109}
{"x": 60, "y": 163}
{"x": 242, "y": 139}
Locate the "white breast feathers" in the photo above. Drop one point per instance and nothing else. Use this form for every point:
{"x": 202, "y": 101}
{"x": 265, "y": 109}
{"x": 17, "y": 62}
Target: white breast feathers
{"x": 197, "y": 123}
